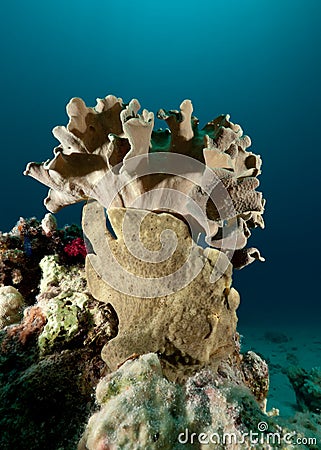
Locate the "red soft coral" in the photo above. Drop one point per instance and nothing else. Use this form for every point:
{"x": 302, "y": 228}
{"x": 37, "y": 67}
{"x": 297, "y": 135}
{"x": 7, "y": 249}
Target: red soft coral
{"x": 76, "y": 248}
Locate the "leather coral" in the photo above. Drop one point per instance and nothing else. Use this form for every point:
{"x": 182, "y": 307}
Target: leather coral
{"x": 101, "y": 149}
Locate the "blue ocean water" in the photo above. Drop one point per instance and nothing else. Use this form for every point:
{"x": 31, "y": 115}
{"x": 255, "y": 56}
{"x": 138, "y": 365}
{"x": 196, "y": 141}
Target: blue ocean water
{"x": 259, "y": 61}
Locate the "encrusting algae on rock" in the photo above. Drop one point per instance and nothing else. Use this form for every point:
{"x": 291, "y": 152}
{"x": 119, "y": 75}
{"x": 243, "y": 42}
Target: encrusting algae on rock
{"x": 64, "y": 306}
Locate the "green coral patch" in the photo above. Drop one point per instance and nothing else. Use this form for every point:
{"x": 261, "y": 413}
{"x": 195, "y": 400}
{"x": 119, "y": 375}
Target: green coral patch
{"x": 63, "y": 313}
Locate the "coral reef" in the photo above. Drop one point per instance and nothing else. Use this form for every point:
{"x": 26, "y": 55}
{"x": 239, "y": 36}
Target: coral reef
{"x": 158, "y": 305}
{"x": 59, "y": 277}
{"x": 48, "y": 378}
{"x": 11, "y": 306}
{"x": 149, "y": 320}
{"x": 62, "y": 301}
{"x": 307, "y": 387}
{"x": 50, "y": 361}
{"x": 68, "y": 307}
{"x": 49, "y": 224}
{"x": 139, "y": 408}
{"x": 22, "y": 249}
{"x": 246, "y": 369}
{"x": 204, "y": 178}
{"x": 151, "y": 423}
{"x": 159, "y": 420}
{"x": 256, "y": 376}
{"x": 44, "y": 401}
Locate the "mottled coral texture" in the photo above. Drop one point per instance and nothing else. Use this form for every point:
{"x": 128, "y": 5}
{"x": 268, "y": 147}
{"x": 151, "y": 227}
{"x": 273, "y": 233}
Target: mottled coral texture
{"x": 140, "y": 409}
{"x": 11, "y": 305}
{"x": 191, "y": 326}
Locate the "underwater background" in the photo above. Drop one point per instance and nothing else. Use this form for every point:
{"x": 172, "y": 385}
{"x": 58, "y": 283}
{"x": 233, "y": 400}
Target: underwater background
{"x": 257, "y": 60}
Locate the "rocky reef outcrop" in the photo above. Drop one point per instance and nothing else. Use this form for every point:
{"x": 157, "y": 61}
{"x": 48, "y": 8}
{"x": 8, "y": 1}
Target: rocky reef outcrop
{"x": 134, "y": 323}
{"x": 52, "y": 379}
